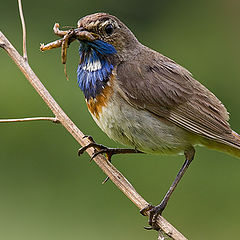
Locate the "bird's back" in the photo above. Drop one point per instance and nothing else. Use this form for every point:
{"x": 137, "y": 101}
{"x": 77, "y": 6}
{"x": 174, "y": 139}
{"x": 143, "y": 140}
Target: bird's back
{"x": 157, "y": 84}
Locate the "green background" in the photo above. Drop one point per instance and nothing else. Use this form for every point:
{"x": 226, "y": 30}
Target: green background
{"x": 48, "y": 192}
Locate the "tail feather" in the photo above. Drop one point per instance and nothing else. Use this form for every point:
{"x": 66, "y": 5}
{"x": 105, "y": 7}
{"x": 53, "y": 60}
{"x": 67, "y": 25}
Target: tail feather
{"x": 230, "y": 144}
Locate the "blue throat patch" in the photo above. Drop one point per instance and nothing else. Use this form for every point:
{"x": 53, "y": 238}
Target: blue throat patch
{"x": 95, "y": 67}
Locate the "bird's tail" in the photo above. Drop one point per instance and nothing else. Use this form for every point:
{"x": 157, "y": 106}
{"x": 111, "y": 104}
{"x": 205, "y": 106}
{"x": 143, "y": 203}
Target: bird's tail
{"x": 230, "y": 144}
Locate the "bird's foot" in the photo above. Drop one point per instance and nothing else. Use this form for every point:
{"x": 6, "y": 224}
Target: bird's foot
{"x": 101, "y": 149}
{"x": 98, "y": 148}
{"x": 154, "y": 212}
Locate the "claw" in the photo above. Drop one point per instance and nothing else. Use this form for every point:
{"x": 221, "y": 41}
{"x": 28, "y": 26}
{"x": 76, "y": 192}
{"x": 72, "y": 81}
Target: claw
{"x": 154, "y": 213}
{"x": 90, "y": 138}
{"x": 148, "y": 228}
{"x": 144, "y": 211}
{"x": 104, "y": 150}
{"x": 83, "y": 149}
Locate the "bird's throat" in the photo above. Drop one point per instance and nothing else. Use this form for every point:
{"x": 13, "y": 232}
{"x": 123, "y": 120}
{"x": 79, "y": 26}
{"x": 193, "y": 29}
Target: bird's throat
{"x": 95, "y": 67}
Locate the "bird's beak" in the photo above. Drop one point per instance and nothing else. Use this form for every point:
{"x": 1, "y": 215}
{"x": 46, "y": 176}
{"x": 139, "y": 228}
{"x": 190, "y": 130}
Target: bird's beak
{"x": 84, "y": 35}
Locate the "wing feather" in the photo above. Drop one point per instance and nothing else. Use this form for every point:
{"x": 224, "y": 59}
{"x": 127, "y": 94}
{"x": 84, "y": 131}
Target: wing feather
{"x": 168, "y": 90}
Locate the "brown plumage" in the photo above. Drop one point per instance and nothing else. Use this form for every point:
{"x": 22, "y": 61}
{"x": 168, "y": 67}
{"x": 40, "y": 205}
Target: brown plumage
{"x": 150, "y": 81}
{"x": 172, "y": 93}
{"x": 154, "y": 105}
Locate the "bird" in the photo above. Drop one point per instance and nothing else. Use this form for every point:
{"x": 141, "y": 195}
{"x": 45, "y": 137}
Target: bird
{"x": 145, "y": 100}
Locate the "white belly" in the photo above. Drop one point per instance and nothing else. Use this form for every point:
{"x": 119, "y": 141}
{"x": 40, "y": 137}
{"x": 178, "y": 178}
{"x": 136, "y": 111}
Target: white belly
{"x": 141, "y": 129}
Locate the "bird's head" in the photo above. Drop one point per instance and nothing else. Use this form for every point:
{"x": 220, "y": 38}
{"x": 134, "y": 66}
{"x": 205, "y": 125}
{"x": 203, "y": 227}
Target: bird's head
{"x": 110, "y": 30}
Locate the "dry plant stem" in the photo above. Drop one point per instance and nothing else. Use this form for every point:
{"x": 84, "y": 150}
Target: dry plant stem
{"x": 55, "y": 120}
{"x": 23, "y": 30}
{"x": 117, "y": 178}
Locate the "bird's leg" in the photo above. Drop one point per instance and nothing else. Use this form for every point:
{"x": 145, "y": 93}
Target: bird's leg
{"x": 157, "y": 210}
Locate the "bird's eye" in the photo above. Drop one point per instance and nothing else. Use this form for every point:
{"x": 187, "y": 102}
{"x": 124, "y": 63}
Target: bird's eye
{"x": 109, "y": 29}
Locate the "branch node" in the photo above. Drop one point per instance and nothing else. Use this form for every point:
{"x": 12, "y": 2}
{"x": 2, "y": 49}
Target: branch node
{"x": 56, "y": 120}
{"x": 2, "y": 45}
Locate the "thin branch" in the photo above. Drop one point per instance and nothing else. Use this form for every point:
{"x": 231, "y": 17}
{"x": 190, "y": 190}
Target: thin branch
{"x": 53, "y": 119}
{"x": 23, "y": 30}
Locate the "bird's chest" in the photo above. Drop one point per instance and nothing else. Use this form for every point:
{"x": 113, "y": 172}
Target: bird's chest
{"x": 138, "y": 128}
{"x": 95, "y": 105}
{"x": 110, "y": 113}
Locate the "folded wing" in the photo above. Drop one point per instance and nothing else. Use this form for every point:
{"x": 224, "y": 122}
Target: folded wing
{"x": 168, "y": 90}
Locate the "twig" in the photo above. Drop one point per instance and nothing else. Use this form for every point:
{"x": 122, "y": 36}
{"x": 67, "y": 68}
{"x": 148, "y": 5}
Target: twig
{"x": 23, "y": 30}
{"x": 53, "y": 119}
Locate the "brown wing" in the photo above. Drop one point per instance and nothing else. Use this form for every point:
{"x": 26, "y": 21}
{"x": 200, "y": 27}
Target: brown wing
{"x": 168, "y": 90}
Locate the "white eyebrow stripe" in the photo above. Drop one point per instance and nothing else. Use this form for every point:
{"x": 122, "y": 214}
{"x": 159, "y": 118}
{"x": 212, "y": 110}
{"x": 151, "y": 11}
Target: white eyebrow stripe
{"x": 105, "y": 23}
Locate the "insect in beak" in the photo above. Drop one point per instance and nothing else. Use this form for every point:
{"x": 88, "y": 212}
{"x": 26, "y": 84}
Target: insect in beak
{"x": 67, "y": 38}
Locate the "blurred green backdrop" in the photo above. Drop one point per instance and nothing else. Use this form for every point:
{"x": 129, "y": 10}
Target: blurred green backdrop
{"x": 47, "y": 192}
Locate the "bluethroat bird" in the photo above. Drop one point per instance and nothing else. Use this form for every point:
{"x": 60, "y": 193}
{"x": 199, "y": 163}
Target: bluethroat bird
{"x": 145, "y": 100}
